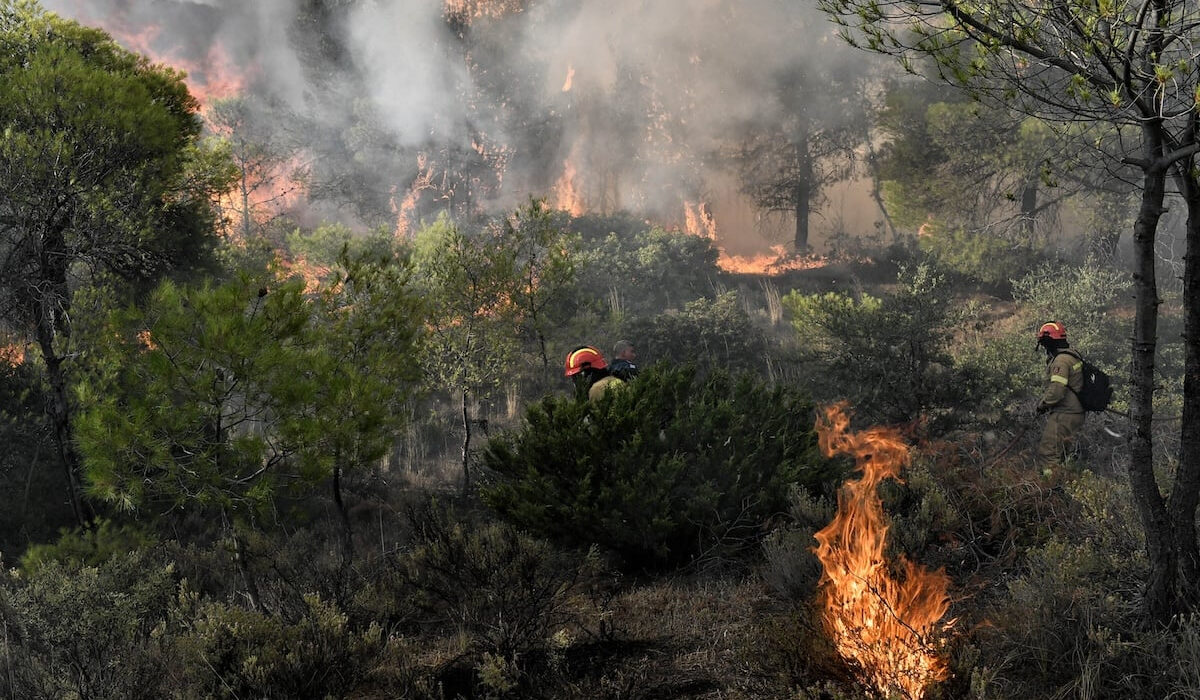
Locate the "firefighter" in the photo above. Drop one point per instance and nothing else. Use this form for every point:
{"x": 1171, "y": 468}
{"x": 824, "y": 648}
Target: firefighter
{"x": 1064, "y": 379}
{"x": 587, "y": 368}
{"x": 623, "y": 357}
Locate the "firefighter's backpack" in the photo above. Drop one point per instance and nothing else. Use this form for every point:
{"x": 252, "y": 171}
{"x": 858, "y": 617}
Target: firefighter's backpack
{"x": 1097, "y": 388}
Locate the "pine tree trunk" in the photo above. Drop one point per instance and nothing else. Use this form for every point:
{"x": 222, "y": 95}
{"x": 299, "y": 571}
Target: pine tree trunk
{"x": 347, "y": 529}
{"x": 802, "y": 196}
{"x": 1029, "y": 207}
{"x": 466, "y": 446}
{"x": 1160, "y": 549}
{"x": 1185, "y": 489}
{"x": 59, "y": 410}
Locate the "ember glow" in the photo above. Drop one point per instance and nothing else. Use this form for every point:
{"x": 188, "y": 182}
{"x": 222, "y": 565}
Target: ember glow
{"x": 886, "y": 625}
{"x": 12, "y": 354}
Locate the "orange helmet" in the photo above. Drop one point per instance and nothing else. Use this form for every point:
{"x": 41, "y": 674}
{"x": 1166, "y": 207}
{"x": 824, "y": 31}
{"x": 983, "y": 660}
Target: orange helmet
{"x": 584, "y": 357}
{"x": 1053, "y": 330}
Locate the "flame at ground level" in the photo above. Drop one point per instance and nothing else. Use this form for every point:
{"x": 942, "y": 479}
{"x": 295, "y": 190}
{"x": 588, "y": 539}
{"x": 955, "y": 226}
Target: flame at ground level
{"x": 12, "y": 354}
{"x": 887, "y": 626}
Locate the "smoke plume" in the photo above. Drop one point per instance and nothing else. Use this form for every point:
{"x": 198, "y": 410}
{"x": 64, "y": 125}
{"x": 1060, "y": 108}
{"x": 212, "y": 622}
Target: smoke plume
{"x": 632, "y": 105}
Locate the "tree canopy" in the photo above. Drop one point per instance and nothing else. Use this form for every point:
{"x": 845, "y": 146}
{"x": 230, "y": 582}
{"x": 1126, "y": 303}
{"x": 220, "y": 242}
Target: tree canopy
{"x": 100, "y": 175}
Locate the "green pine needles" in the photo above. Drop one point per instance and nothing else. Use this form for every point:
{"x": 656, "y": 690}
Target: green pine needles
{"x": 676, "y": 468}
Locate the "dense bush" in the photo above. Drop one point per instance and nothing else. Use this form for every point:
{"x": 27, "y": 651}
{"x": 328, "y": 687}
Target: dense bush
{"x": 229, "y": 652}
{"x": 86, "y": 632}
{"x": 32, "y": 480}
{"x": 895, "y": 357}
{"x": 707, "y": 332}
{"x": 638, "y": 272}
{"x": 982, "y": 256}
{"x": 672, "y": 468}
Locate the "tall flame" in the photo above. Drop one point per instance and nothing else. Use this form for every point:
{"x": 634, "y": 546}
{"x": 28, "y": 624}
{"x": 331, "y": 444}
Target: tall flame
{"x": 567, "y": 196}
{"x": 886, "y": 626}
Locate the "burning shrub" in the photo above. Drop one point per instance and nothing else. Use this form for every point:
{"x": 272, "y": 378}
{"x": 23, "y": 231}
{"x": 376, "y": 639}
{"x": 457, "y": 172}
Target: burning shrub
{"x": 674, "y": 468}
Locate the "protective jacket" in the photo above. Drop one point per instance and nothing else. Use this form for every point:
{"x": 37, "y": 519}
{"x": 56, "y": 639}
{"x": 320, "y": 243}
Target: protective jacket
{"x": 602, "y": 385}
{"x": 1064, "y": 379}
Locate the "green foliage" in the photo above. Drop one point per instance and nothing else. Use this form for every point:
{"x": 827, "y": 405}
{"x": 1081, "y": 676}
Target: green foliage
{"x": 469, "y": 285}
{"x": 328, "y": 244}
{"x": 91, "y": 632}
{"x": 220, "y": 396}
{"x": 92, "y": 546}
{"x": 706, "y": 332}
{"x": 1085, "y": 298}
{"x": 230, "y": 652}
{"x": 546, "y": 258}
{"x": 31, "y": 474}
{"x": 672, "y": 468}
{"x": 100, "y": 149}
{"x": 978, "y": 255}
{"x": 1068, "y": 621}
{"x": 632, "y": 271}
{"x": 891, "y": 357}
{"x": 790, "y": 566}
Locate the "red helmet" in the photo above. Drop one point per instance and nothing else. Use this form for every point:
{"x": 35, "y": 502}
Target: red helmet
{"x": 582, "y": 358}
{"x": 1053, "y": 330}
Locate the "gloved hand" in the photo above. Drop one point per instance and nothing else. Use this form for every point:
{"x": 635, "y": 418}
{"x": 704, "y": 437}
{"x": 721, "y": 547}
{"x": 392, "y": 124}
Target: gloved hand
{"x": 1042, "y": 408}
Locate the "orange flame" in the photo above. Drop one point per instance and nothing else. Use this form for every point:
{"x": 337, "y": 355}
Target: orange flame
{"x": 213, "y": 77}
{"x": 12, "y": 354}
{"x": 570, "y": 79}
{"x": 699, "y": 220}
{"x": 404, "y": 210}
{"x": 263, "y": 197}
{"x": 566, "y": 193}
{"x": 312, "y": 273}
{"x": 885, "y": 626}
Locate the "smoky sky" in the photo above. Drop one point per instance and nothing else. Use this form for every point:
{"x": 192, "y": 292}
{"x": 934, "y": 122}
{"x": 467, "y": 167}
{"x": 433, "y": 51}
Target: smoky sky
{"x": 659, "y": 90}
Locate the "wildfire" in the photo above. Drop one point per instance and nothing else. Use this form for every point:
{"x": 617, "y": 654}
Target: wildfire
{"x": 215, "y": 76}
{"x": 699, "y": 221}
{"x": 884, "y": 625}
{"x": 570, "y": 79}
{"x": 12, "y": 354}
{"x": 404, "y": 211}
{"x": 265, "y": 192}
{"x": 566, "y": 193}
{"x": 468, "y": 10}
{"x": 312, "y": 273}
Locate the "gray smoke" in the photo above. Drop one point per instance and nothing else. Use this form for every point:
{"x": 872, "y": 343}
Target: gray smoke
{"x": 660, "y": 90}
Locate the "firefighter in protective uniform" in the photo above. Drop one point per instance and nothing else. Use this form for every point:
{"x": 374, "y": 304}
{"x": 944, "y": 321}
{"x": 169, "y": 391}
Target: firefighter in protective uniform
{"x": 586, "y": 366}
{"x": 1064, "y": 379}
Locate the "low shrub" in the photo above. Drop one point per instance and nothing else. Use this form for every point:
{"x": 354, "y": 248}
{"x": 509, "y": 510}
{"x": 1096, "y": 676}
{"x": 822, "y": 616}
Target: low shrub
{"x": 74, "y": 631}
{"x": 229, "y": 652}
{"x": 673, "y": 469}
